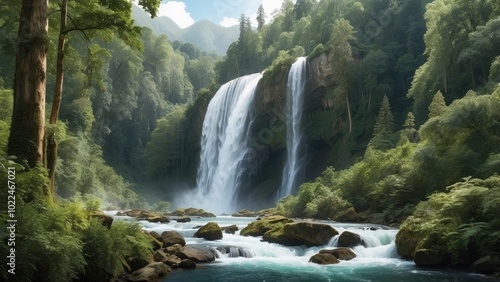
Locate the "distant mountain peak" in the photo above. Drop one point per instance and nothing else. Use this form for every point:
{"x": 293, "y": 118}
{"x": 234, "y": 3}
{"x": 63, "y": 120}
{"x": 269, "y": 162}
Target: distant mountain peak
{"x": 204, "y": 34}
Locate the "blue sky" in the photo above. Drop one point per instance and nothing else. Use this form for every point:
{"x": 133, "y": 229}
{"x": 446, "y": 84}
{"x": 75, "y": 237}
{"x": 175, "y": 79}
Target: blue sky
{"x": 223, "y": 12}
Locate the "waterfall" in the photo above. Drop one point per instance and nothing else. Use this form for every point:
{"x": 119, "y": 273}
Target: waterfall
{"x": 294, "y": 141}
{"x": 224, "y": 143}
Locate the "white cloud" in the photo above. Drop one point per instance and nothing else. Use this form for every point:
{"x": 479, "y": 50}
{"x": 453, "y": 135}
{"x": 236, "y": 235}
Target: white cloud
{"x": 176, "y": 10}
{"x": 270, "y": 7}
{"x": 227, "y": 22}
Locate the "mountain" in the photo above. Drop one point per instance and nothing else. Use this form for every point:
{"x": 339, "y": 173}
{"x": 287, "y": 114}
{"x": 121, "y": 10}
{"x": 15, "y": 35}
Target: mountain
{"x": 204, "y": 34}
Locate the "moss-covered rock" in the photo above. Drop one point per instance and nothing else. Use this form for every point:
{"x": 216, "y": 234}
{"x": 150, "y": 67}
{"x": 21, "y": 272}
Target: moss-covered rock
{"x": 260, "y": 227}
{"x": 244, "y": 213}
{"x": 406, "y": 242}
{"x": 210, "y": 231}
{"x": 192, "y": 212}
{"x": 300, "y": 233}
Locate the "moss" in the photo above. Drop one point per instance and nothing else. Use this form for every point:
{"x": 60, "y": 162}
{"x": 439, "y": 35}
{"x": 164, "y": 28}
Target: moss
{"x": 260, "y": 227}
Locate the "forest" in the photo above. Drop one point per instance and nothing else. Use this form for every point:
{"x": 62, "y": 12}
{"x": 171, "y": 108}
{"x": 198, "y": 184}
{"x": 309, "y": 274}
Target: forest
{"x": 97, "y": 113}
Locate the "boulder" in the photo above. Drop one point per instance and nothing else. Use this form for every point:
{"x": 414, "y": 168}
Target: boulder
{"x": 157, "y": 241}
{"x": 300, "y": 233}
{"x": 231, "y": 229}
{"x": 184, "y": 219}
{"x": 170, "y": 238}
{"x": 484, "y": 265}
{"x": 406, "y": 242}
{"x": 260, "y": 227}
{"x": 349, "y": 239}
{"x": 158, "y": 218}
{"x": 195, "y": 254}
{"x": 210, "y": 231}
{"x": 324, "y": 259}
{"x": 136, "y": 264}
{"x": 172, "y": 260}
{"x": 192, "y": 212}
{"x": 244, "y": 213}
{"x": 310, "y": 234}
{"x": 187, "y": 264}
{"x": 174, "y": 249}
{"x": 429, "y": 257}
{"x": 151, "y": 272}
{"x": 159, "y": 255}
{"x": 340, "y": 253}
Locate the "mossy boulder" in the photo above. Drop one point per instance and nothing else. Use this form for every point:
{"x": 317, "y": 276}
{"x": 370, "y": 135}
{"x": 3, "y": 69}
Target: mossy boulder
{"x": 406, "y": 242}
{"x": 300, "y": 233}
{"x": 192, "y": 212}
{"x": 323, "y": 258}
{"x": 210, "y": 231}
{"x": 340, "y": 253}
{"x": 260, "y": 227}
{"x": 244, "y": 213}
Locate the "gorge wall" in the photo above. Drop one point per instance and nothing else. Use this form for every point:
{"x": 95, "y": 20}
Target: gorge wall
{"x": 324, "y": 129}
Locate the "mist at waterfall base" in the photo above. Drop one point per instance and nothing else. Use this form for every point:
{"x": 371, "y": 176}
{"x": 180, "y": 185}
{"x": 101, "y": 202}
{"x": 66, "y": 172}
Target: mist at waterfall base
{"x": 224, "y": 145}
{"x": 293, "y": 170}
{"x": 251, "y": 259}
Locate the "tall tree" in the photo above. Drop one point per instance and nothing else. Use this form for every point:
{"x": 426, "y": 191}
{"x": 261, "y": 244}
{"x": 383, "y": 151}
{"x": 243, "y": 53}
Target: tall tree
{"x": 341, "y": 36}
{"x": 26, "y": 140}
{"x": 437, "y": 106}
{"x": 261, "y": 18}
{"x": 89, "y": 17}
{"x": 385, "y": 120}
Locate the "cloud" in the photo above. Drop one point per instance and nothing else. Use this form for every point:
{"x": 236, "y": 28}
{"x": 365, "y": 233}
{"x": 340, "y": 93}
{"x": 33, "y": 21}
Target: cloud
{"x": 176, "y": 10}
{"x": 227, "y": 22}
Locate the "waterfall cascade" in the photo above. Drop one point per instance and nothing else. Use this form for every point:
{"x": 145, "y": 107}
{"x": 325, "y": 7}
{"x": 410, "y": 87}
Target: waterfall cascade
{"x": 293, "y": 169}
{"x": 224, "y": 143}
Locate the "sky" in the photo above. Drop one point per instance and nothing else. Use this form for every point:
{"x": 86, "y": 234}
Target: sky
{"x": 223, "y": 12}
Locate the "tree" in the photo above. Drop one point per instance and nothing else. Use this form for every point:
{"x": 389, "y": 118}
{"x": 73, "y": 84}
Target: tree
{"x": 87, "y": 18}
{"x": 437, "y": 106}
{"x": 385, "y": 120}
{"x": 27, "y": 132}
{"x": 341, "y": 36}
{"x": 261, "y": 18}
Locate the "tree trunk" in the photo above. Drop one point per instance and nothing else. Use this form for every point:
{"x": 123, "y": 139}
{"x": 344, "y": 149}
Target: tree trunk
{"x": 56, "y": 103}
{"x": 26, "y": 140}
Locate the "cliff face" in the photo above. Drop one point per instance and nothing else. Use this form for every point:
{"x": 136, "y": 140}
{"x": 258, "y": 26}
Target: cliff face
{"x": 266, "y": 158}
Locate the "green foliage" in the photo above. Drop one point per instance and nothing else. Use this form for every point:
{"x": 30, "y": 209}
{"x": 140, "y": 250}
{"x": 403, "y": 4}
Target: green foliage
{"x": 463, "y": 222}
{"x": 107, "y": 252}
{"x": 162, "y": 206}
{"x": 44, "y": 235}
{"x": 165, "y": 150}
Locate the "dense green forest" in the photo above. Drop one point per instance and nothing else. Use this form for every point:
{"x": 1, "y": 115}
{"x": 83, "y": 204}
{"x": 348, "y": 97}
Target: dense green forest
{"x": 411, "y": 123}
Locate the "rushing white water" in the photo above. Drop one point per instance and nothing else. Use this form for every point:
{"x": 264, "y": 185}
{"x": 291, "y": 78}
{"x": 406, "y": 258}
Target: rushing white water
{"x": 294, "y": 137}
{"x": 224, "y": 143}
{"x": 249, "y": 259}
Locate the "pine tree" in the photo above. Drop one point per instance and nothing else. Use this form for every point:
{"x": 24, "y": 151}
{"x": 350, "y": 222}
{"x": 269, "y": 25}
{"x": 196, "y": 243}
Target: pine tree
{"x": 437, "y": 106}
{"x": 385, "y": 120}
{"x": 261, "y": 18}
